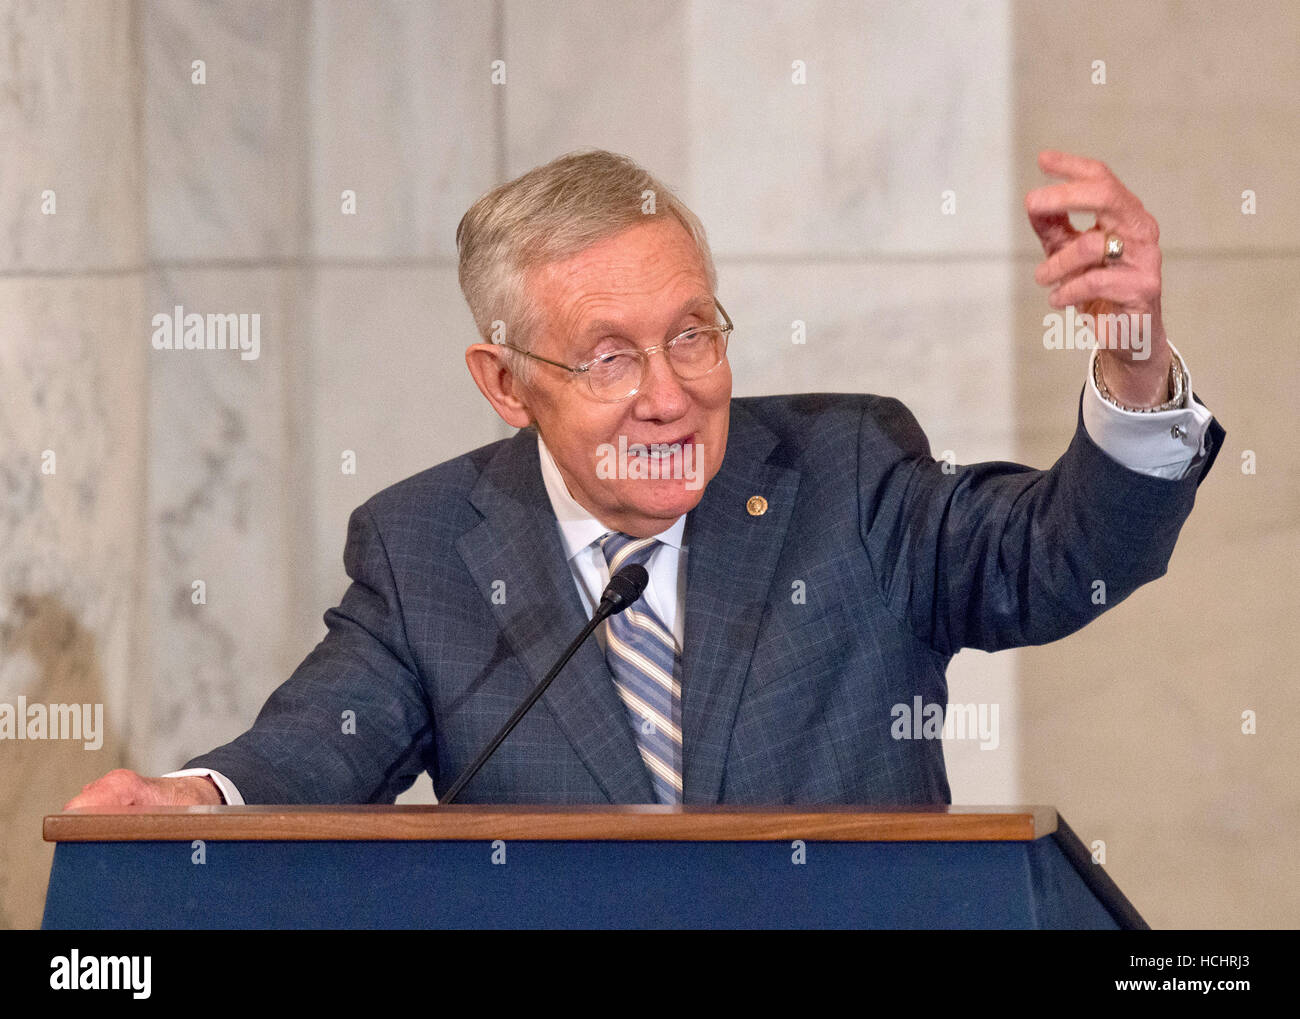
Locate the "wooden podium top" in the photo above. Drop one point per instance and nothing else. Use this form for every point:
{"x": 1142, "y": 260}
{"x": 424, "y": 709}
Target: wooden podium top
{"x": 469, "y": 822}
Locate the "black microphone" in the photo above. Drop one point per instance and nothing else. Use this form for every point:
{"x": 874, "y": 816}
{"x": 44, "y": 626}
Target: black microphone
{"x": 624, "y": 588}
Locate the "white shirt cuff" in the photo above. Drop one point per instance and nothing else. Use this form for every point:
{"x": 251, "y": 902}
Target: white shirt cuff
{"x": 1163, "y": 445}
{"x": 227, "y": 787}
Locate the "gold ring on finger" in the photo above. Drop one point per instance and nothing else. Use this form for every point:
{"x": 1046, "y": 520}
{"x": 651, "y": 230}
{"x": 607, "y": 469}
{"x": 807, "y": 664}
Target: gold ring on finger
{"x": 1114, "y": 249}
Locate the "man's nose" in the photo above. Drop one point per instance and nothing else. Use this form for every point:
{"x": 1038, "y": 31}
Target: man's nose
{"x": 661, "y": 394}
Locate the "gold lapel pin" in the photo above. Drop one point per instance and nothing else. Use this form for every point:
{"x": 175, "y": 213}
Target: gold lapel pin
{"x": 756, "y": 505}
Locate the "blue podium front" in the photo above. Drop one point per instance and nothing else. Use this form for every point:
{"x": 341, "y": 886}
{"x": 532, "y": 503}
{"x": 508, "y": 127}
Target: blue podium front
{"x": 622, "y": 867}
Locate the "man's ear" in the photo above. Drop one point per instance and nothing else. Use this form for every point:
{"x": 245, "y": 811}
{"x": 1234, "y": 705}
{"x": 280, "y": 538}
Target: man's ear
{"x": 487, "y": 364}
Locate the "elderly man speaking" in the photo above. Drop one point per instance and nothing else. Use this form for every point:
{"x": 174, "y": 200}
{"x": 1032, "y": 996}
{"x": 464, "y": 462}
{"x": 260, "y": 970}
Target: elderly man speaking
{"x": 810, "y": 565}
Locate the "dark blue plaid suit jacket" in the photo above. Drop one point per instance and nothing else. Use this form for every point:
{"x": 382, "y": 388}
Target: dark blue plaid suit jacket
{"x": 784, "y": 700}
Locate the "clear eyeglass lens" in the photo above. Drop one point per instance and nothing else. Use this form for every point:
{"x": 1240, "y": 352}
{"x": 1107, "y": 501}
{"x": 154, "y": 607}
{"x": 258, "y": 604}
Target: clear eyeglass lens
{"x": 692, "y": 356}
{"x": 615, "y": 375}
{"x": 696, "y": 351}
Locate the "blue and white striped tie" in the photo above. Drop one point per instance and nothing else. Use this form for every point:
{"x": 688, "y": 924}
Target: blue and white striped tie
{"x": 643, "y": 657}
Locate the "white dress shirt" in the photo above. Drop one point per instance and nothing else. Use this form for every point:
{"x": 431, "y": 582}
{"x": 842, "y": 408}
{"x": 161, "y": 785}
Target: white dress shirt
{"x": 1162, "y": 445}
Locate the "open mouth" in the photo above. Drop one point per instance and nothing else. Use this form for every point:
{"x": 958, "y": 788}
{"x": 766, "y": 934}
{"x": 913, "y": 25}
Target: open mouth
{"x": 674, "y": 447}
{"x": 667, "y": 460}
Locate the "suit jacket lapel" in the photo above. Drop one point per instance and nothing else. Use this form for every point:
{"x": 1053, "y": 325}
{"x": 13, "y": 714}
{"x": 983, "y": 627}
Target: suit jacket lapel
{"x": 731, "y": 558}
{"x": 518, "y": 542}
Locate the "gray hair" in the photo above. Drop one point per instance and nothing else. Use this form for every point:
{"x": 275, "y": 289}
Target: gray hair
{"x": 549, "y": 214}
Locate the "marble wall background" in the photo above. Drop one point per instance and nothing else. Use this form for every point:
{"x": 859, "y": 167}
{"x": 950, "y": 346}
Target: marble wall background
{"x": 823, "y": 201}
{"x": 1134, "y": 725}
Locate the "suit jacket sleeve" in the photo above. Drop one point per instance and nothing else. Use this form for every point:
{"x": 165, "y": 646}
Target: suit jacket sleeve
{"x": 352, "y": 724}
{"x": 998, "y": 555}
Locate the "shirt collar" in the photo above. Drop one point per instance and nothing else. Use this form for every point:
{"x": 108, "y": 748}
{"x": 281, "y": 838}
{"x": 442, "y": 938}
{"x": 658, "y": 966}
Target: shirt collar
{"x": 578, "y": 528}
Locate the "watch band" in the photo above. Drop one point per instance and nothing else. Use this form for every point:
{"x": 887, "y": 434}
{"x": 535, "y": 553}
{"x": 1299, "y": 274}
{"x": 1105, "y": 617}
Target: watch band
{"x": 1177, "y": 383}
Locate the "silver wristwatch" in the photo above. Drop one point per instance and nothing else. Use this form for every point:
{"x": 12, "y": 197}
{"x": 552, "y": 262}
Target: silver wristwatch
{"x": 1177, "y": 382}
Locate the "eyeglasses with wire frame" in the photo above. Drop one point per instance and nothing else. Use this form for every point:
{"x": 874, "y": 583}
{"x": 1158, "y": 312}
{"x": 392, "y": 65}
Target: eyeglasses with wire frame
{"x": 619, "y": 374}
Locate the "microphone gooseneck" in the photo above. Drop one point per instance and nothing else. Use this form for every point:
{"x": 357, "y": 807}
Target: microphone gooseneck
{"x": 624, "y": 588}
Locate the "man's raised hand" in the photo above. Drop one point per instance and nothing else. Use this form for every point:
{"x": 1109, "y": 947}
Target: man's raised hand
{"x": 1079, "y": 274}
